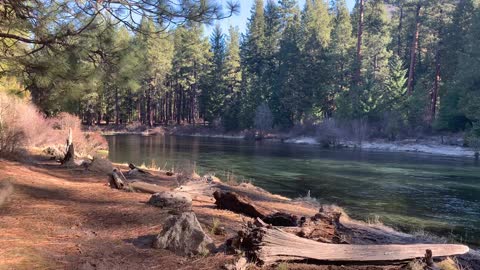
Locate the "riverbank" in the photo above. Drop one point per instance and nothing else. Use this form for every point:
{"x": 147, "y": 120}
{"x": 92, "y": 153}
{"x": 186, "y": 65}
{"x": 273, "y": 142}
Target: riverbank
{"x": 69, "y": 218}
{"x": 434, "y": 145}
{"x": 426, "y": 146}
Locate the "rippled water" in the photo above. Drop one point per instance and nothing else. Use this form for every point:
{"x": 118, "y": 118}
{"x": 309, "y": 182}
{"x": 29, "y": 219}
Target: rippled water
{"x": 412, "y": 192}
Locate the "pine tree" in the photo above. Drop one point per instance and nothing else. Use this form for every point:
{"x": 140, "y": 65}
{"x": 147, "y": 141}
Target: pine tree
{"x": 254, "y": 91}
{"x": 231, "y": 109}
{"x": 288, "y": 97}
{"x": 215, "y": 89}
{"x": 342, "y": 46}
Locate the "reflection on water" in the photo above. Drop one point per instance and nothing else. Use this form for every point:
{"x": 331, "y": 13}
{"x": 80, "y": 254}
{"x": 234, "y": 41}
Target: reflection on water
{"x": 405, "y": 190}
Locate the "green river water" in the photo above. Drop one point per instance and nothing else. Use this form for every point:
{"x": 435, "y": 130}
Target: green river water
{"x": 408, "y": 191}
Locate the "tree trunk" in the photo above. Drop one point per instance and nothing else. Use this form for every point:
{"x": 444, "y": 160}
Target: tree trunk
{"x": 149, "y": 107}
{"x": 69, "y": 150}
{"x": 436, "y": 86}
{"x": 413, "y": 51}
{"x": 399, "y": 34}
{"x": 117, "y": 107}
{"x": 359, "y": 42}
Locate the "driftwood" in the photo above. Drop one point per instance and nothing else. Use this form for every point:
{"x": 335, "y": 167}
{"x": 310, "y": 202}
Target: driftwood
{"x": 269, "y": 245}
{"x": 134, "y": 169}
{"x": 237, "y": 203}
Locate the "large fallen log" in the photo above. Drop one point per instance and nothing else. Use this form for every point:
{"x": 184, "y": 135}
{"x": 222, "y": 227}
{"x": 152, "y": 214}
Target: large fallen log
{"x": 238, "y": 204}
{"x": 269, "y": 245}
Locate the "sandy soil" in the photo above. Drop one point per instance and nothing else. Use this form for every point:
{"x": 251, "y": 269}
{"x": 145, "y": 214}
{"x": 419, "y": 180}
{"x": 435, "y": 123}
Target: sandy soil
{"x": 59, "y": 218}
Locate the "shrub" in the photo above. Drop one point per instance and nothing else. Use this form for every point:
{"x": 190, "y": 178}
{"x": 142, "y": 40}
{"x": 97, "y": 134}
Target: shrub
{"x": 328, "y": 132}
{"x": 22, "y": 125}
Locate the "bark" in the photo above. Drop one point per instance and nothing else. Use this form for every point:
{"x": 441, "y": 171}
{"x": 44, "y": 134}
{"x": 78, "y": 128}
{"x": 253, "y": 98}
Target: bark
{"x": 413, "y": 51}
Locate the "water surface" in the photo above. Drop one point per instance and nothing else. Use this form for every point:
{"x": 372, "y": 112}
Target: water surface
{"x": 411, "y": 192}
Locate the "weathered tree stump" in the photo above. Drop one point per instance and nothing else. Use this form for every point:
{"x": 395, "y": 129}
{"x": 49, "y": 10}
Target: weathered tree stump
{"x": 117, "y": 179}
{"x": 69, "y": 157}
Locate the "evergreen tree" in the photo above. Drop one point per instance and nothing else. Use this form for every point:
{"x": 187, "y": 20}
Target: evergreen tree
{"x": 252, "y": 53}
{"x": 231, "y": 109}
{"x": 288, "y": 96}
{"x": 215, "y": 88}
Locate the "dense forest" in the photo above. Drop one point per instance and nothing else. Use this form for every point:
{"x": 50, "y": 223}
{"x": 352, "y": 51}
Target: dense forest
{"x": 402, "y": 67}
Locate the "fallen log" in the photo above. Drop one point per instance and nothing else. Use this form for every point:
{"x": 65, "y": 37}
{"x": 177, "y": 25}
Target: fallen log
{"x": 117, "y": 179}
{"x": 237, "y": 203}
{"x": 134, "y": 169}
{"x": 145, "y": 187}
{"x": 270, "y": 245}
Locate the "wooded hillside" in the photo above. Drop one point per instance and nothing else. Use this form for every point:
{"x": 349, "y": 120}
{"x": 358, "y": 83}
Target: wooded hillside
{"x": 402, "y": 67}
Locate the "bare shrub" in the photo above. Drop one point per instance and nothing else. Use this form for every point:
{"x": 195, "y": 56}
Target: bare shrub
{"x": 12, "y": 135}
{"x": 22, "y": 125}
{"x": 329, "y": 133}
{"x": 309, "y": 127}
{"x": 359, "y": 129}
{"x": 135, "y": 127}
{"x": 86, "y": 143}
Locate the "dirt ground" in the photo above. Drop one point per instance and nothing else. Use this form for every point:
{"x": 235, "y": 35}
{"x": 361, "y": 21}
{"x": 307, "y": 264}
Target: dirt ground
{"x": 59, "y": 218}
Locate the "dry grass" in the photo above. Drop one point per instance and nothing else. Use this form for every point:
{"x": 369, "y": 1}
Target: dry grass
{"x": 449, "y": 264}
{"x": 415, "y": 265}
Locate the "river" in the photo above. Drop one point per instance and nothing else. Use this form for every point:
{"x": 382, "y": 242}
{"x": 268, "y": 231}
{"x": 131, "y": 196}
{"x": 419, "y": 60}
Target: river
{"x": 411, "y": 192}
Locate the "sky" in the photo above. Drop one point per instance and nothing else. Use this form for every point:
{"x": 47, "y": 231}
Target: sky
{"x": 240, "y": 20}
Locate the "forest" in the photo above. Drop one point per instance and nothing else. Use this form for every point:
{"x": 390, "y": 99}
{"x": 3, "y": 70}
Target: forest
{"x": 400, "y": 67}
